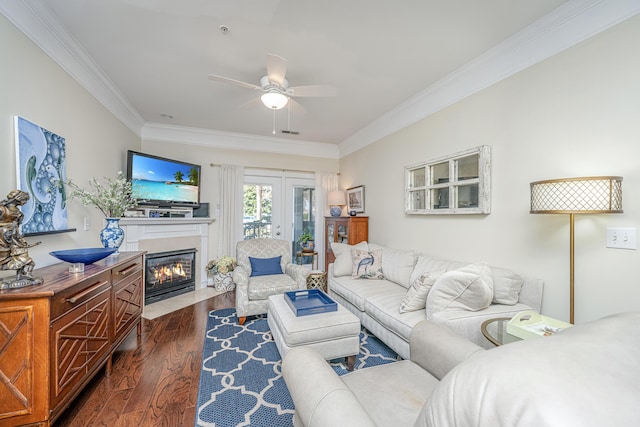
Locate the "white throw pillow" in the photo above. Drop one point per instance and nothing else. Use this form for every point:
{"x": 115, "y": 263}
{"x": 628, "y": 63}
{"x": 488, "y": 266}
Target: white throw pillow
{"x": 506, "y": 286}
{"x": 366, "y": 264}
{"x": 416, "y": 297}
{"x": 397, "y": 265}
{"x": 342, "y": 266}
{"x": 425, "y": 264}
{"x": 468, "y": 288}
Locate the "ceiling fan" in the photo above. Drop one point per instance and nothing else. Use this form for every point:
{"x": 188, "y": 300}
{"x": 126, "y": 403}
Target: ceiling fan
{"x": 277, "y": 92}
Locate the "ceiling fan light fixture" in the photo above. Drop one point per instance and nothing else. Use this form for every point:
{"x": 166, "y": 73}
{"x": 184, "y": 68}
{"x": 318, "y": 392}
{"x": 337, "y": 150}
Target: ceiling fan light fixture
{"x": 274, "y": 100}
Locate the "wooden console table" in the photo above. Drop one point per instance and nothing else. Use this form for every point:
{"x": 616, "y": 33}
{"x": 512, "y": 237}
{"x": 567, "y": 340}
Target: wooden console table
{"x": 56, "y": 336}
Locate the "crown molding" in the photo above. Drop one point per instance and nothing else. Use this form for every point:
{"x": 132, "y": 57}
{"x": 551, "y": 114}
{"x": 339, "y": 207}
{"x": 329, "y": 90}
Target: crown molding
{"x": 236, "y": 141}
{"x": 40, "y": 25}
{"x": 569, "y": 24}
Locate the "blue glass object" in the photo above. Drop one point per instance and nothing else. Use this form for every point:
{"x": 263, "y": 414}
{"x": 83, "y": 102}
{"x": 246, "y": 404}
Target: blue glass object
{"x": 85, "y": 255}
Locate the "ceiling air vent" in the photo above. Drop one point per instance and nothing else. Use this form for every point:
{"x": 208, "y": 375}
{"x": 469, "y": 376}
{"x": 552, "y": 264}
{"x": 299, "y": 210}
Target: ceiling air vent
{"x": 290, "y": 132}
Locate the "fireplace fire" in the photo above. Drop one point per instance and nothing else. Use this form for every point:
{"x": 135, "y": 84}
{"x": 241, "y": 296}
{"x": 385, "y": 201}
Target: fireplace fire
{"x": 169, "y": 274}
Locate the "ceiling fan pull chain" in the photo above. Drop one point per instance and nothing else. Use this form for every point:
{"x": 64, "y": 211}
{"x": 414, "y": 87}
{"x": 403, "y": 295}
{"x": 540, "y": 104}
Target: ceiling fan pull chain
{"x": 274, "y": 121}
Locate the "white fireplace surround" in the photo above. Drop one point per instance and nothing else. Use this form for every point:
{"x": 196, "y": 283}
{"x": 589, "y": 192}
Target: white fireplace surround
{"x": 165, "y": 234}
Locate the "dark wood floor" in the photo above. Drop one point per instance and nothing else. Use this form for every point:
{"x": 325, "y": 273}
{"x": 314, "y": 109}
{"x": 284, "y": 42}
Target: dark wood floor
{"x": 155, "y": 378}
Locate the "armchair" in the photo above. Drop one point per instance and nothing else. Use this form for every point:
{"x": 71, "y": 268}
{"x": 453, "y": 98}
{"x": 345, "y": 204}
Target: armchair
{"x": 253, "y": 292}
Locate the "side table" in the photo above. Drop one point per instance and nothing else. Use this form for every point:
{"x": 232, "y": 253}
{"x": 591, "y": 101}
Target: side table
{"x": 317, "y": 279}
{"x": 314, "y": 258}
{"x": 495, "y": 330}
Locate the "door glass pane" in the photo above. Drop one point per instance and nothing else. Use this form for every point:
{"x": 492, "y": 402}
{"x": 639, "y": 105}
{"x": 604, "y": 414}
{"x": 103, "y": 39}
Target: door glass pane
{"x": 258, "y": 202}
{"x": 304, "y": 209}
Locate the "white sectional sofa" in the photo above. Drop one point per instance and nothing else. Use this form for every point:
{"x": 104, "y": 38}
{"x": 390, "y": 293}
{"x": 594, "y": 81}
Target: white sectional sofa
{"x": 462, "y": 295}
{"x": 583, "y": 376}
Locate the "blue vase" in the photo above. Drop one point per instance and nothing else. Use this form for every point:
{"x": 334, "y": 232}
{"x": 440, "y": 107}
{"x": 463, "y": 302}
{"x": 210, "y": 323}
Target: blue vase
{"x": 335, "y": 210}
{"x": 112, "y": 235}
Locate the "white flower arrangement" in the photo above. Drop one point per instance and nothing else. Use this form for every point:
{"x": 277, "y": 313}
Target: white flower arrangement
{"x": 112, "y": 198}
{"x": 224, "y": 265}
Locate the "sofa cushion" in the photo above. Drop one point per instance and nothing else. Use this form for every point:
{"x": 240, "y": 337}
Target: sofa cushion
{"x": 416, "y": 296}
{"x": 506, "y": 286}
{"x": 342, "y": 266}
{"x": 383, "y": 307}
{"x": 356, "y": 291}
{"x": 391, "y": 394}
{"x": 468, "y": 288}
{"x": 397, "y": 265}
{"x": 265, "y": 266}
{"x": 366, "y": 264}
{"x": 262, "y": 287}
{"x": 426, "y": 264}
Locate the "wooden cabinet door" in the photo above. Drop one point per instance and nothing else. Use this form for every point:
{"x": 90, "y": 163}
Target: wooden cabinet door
{"x": 80, "y": 341}
{"x": 128, "y": 287}
{"x": 23, "y": 356}
{"x": 358, "y": 229}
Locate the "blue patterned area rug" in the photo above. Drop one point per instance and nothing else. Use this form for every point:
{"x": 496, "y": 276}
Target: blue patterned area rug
{"x": 241, "y": 382}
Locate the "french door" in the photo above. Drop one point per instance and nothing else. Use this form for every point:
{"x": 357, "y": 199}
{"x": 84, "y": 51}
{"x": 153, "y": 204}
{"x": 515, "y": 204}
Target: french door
{"x": 278, "y": 205}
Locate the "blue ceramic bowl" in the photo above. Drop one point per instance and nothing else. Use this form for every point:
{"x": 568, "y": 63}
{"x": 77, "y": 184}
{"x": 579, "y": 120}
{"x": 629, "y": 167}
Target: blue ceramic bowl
{"x": 85, "y": 256}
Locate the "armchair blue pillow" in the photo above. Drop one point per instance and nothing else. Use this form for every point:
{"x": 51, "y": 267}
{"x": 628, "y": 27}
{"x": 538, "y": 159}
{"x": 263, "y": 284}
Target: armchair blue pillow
{"x": 265, "y": 266}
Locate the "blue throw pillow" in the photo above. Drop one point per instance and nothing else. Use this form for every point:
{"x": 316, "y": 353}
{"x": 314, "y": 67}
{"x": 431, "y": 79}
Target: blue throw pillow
{"x": 265, "y": 266}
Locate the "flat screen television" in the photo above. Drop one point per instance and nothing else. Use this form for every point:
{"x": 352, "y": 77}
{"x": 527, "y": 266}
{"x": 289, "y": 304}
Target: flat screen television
{"x": 162, "y": 182}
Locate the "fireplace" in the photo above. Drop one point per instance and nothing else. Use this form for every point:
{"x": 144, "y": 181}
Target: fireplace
{"x": 169, "y": 274}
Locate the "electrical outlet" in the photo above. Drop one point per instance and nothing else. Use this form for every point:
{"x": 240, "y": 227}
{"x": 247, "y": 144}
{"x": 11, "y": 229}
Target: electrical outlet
{"x": 86, "y": 224}
{"x": 621, "y": 238}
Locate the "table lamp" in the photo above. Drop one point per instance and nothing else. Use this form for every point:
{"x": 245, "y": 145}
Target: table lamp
{"x": 336, "y": 200}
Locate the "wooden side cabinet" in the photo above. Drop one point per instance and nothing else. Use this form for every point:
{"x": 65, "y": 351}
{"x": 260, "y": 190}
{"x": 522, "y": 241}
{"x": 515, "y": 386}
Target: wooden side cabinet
{"x": 55, "y": 337}
{"x": 343, "y": 229}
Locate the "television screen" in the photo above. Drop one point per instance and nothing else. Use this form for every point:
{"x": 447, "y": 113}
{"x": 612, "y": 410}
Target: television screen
{"x": 163, "y": 182}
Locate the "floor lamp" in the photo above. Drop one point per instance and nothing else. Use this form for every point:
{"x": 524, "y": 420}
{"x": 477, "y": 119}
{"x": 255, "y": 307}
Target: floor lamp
{"x": 595, "y": 195}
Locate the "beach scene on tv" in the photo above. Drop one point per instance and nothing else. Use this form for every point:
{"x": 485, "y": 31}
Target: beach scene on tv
{"x": 157, "y": 179}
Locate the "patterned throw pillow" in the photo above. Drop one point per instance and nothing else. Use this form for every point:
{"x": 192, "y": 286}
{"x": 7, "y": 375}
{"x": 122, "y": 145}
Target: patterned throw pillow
{"x": 416, "y": 297}
{"x": 367, "y": 264}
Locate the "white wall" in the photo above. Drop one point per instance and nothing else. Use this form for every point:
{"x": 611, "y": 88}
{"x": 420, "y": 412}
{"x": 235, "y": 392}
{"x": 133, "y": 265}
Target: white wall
{"x": 575, "y": 114}
{"x": 36, "y": 88}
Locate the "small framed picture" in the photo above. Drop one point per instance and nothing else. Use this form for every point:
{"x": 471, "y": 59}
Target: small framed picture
{"x": 355, "y": 199}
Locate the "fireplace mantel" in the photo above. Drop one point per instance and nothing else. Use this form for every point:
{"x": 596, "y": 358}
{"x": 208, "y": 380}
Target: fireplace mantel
{"x": 148, "y": 231}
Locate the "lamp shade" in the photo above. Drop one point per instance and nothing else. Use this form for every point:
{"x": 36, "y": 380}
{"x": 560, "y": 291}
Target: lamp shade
{"x": 596, "y": 194}
{"x": 337, "y": 198}
{"x": 274, "y": 99}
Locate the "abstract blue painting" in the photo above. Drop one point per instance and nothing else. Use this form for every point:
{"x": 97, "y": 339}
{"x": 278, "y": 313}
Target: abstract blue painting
{"x": 41, "y": 164}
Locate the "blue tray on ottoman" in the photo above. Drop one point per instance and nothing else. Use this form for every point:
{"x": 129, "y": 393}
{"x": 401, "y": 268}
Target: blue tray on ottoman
{"x": 312, "y": 301}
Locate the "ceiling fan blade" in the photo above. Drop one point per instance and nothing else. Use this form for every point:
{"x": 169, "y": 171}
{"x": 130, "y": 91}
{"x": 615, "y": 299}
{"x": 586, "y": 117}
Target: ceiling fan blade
{"x": 250, "y": 104}
{"x": 276, "y": 69}
{"x": 296, "y": 108}
{"x": 312, "y": 91}
{"x": 233, "y": 82}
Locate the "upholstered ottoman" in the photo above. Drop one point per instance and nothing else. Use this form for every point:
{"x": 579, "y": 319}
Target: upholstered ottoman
{"x": 334, "y": 334}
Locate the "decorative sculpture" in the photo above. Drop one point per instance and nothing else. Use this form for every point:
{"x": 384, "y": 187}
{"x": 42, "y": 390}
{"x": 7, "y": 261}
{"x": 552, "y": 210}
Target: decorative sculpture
{"x": 14, "y": 249}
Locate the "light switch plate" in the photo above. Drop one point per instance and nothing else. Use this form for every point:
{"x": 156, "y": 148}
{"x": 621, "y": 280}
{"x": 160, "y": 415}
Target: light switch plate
{"x": 621, "y": 238}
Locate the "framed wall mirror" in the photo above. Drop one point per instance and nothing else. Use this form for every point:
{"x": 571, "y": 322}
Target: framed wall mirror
{"x": 455, "y": 184}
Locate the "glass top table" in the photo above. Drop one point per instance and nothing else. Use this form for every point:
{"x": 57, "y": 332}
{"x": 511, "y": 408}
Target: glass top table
{"x": 495, "y": 330}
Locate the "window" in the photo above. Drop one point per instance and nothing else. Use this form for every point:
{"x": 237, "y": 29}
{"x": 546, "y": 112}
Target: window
{"x": 456, "y": 184}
